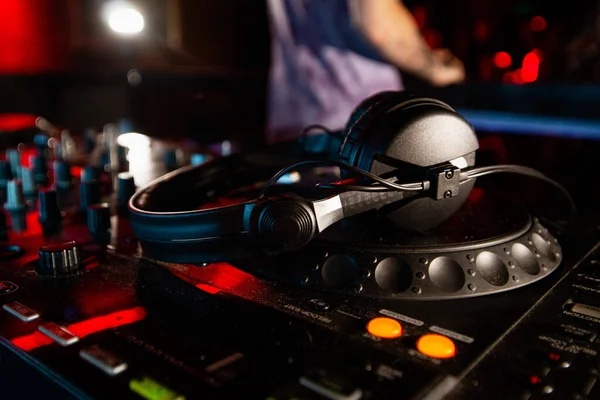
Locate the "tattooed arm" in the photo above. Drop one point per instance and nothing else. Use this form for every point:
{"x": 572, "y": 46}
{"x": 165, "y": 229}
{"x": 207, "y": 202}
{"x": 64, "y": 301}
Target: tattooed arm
{"x": 393, "y": 31}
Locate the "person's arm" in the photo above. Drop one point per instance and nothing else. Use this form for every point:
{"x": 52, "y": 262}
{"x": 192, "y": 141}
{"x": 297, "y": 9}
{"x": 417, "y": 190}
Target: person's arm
{"x": 393, "y": 31}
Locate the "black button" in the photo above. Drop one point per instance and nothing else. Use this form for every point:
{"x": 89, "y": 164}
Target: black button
{"x": 339, "y": 270}
{"x": 319, "y": 304}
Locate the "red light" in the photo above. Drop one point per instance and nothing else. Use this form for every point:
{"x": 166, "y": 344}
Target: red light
{"x": 26, "y": 157}
{"x": 534, "y": 380}
{"x": 229, "y": 277}
{"x": 33, "y": 227}
{"x": 113, "y": 320}
{"x": 76, "y": 171}
{"x": 84, "y": 328}
{"x": 537, "y": 24}
{"x": 530, "y": 69}
{"x": 502, "y": 59}
{"x": 34, "y": 36}
{"x": 539, "y": 54}
{"x": 32, "y": 341}
{"x": 16, "y": 122}
{"x": 208, "y": 288}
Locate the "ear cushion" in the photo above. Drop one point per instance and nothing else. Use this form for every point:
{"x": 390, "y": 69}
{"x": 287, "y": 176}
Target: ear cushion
{"x": 372, "y": 106}
{"x": 369, "y": 110}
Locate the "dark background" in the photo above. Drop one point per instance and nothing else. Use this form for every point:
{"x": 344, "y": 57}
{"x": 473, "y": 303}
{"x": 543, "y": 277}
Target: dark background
{"x": 203, "y": 63}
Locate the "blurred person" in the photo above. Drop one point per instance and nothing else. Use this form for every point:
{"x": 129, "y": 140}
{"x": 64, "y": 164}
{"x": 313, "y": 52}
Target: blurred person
{"x": 329, "y": 55}
{"x": 582, "y": 53}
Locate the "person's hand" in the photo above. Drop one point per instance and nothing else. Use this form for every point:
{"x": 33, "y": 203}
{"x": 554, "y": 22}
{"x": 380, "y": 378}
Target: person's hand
{"x": 447, "y": 69}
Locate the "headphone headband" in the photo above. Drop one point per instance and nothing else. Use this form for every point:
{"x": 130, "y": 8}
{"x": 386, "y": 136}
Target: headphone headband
{"x": 281, "y": 223}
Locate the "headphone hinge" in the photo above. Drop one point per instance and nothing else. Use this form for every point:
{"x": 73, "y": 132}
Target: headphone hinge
{"x": 444, "y": 181}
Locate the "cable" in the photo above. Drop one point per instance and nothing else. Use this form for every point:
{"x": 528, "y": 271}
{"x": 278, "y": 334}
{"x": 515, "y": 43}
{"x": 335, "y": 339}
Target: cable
{"x": 516, "y": 169}
{"x": 385, "y": 185}
{"x": 357, "y": 188}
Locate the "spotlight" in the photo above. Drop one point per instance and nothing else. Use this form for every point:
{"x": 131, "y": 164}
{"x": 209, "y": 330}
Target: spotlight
{"x": 123, "y": 18}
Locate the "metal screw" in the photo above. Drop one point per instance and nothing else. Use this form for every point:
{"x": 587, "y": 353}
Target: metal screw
{"x": 449, "y": 174}
{"x": 447, "y": 194}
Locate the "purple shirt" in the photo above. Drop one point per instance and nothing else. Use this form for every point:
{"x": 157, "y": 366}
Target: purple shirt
{"x": 321, "y": 67}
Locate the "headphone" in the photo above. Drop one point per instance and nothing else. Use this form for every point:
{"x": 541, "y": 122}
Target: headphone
{"x": 390, "y": 139}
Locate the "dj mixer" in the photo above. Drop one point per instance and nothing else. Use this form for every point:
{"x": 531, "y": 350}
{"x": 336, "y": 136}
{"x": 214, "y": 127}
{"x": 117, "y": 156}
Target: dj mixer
{"x": 362, "y": 313}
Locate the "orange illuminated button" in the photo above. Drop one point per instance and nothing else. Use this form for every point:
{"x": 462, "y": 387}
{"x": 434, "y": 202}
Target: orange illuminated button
{"x": 386, "y": 328}
{"x": 436, "y": 346}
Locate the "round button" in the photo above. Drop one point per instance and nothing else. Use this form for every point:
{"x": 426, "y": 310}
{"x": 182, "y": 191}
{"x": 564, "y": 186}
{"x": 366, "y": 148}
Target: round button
{"x": 386, "y": 328}
{"x": 58, "y": 259}
{"x": 436, "y": 346}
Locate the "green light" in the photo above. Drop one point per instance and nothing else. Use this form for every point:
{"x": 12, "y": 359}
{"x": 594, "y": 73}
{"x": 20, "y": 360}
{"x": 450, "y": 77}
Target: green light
{"x": 152, "y": 390}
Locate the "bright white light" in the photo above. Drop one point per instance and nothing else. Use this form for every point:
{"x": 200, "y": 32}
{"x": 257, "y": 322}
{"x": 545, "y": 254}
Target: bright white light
{"x": 124, "y": 19}
{"x": 139, "y": 156}
{"x": 133, "y": 140}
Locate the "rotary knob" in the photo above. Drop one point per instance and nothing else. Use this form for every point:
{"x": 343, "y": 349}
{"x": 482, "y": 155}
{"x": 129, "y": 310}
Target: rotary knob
{"x": 125, "y": 189}
{"x": 59, "y": 259}
{"x": 50, "y": 216}
{"x": 98, "y": 222}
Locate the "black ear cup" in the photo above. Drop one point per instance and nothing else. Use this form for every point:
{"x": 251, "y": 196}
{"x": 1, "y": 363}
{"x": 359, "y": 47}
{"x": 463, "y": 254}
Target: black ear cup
{"x": 399, "y": 131}
{"x": 400, "y": 126}
{"x": 362, "y": 115}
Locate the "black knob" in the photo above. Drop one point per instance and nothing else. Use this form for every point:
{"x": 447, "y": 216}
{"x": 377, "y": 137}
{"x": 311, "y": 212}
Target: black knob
{"x": 29, "y": 186}
{"x": 50, "y": 216}
{"x": 62, "y": 175}
{"x": 170, "y": 157}
{"x": 40, "y": 171}
{"x": 125, "y": 189}
{"x": 89, "y": 140}
{"x": 89, "y": 173}
{"x": 14, "y": 158}
{"x": 286, "y": 223}
{"x": 5, "y": 176}
{"x": 15, "y": 205}
{"x": 5, "y": 173}
{"x": 3, "y": 226}
{"x": 59, "y": 259}
{"x": 40, "y": 142}
{"x": 98, "y": 221}
{"x": 89, "y": 192}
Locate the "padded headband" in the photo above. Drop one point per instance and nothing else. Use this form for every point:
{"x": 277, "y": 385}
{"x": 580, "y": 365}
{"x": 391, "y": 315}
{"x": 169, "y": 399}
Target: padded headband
{"x": 170, "y": 232}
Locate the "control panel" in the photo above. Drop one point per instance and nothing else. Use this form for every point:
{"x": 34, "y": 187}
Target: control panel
{"x": 84, "y": 314}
